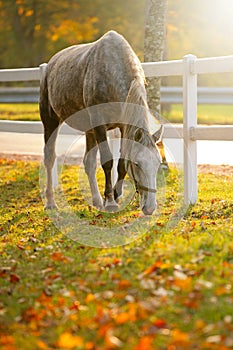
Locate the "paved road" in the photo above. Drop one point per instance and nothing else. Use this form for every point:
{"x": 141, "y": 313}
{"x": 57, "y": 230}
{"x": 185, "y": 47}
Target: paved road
{"x": 209, "y": 152}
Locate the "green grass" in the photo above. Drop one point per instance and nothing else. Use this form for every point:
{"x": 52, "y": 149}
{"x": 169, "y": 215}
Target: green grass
{"x": 170, "y": 289}
{"x": 207, "y": 114}
{"x": 17, "y": 111}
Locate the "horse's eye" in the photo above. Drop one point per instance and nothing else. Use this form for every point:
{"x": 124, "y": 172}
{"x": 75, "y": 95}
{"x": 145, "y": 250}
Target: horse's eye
{"x": 136, "y": 164}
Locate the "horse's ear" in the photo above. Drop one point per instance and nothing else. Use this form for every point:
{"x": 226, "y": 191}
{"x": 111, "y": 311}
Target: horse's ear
{"x": 138, "y": 135}
{"x": 157, "y": 136}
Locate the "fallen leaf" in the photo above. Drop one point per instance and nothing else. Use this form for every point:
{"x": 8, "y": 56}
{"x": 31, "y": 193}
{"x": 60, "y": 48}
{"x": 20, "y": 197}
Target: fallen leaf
{"x": 122, "y": 318}
{"x": 183, "y": 284}
{"x": 7, "y": 340}
{"x": 179, "y": 337}
{"x": 41, "y": 345}
{"x": 124, "y": 284}
{"x": 89, "y": 298}
{"x": 157, "y": 265}
{"x": 145, "y": 343}
{"x": 214, "y": 339}
{"x": 160, "y": 323}
{"x": 69, "y": 341}
{"x": 112, "y": 341}
{"x": 14, "y": 278}
{"x": 90, "y": 346}
{"x": 58, "y": 256}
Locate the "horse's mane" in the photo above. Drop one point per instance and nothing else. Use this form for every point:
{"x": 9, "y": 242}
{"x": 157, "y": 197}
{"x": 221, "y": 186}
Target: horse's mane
{"x": 137, "y": 110}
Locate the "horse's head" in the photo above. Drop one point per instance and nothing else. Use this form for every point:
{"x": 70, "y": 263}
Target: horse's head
{"x": 143, "y": 167}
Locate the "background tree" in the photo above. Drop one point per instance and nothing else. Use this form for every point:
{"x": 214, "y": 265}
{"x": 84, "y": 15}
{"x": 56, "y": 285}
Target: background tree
{"x": 31, "y": 31}
{"x": 154, "y": 46}
{"x": 34, "y": 29}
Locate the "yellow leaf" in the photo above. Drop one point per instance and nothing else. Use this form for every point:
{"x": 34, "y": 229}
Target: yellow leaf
{"x": 199, "y": 325}
{"x": 89, "y": 298}
{"x": 29, "y": 13}
{"x": 69, "y": 341}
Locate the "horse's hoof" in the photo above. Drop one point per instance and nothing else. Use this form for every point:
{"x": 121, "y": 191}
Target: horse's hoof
{"x": 111, "y": 207}
{"x": 51, "y": 207}
{"x": 98, "y": 204}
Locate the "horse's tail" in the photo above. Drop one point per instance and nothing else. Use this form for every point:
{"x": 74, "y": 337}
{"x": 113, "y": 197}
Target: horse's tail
{"x": 48, "y": 116}
{"x": 44, "y": 100}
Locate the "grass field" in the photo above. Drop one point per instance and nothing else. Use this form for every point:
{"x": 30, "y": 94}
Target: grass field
{"x": 169, "y": 290}
{"x": 207, "y": 114}
{"x": 27, "y": 111}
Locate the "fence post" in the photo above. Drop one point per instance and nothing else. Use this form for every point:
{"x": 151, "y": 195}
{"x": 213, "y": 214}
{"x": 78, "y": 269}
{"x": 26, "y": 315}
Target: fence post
{"x": 54, "y": 171}
{"x": 190, "y": 121}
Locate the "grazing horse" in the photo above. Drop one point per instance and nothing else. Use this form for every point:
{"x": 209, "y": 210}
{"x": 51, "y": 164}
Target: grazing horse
{"x": 106, "y": 72}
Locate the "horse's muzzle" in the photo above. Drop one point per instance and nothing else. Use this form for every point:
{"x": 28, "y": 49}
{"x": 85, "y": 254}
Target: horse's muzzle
{"x": 148, "y": 210}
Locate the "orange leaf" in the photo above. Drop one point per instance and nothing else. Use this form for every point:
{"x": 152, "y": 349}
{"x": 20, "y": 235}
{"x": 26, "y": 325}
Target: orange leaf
{"x": 152, "y": 268}
{"x": 58, "y": 256}
{"x": 75, "y": 305}
{"x": 90, "y": 346}
{"x": 44, "y": 299}
{"x": 179, "y": 337}
{"x": 7, "y": 340}
{"x": 124, "y": 284}
{"x": 41, "y": 345}
{"x": 160, "y": 323}
{"x": 191, "y": 304}
{"x": 69, "y": 341}
{"x": 183, "y": 284}
{"x": 122, "y": 318}
{"x": 145, "y": 343}
{"x": 222, "y": 291}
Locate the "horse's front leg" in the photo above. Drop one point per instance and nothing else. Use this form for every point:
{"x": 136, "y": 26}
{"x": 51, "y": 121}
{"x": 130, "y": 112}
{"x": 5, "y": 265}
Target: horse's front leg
{"x": 106, "y": 160}
{"x": 90, "y": 163}
{"x": 118, "y": 189}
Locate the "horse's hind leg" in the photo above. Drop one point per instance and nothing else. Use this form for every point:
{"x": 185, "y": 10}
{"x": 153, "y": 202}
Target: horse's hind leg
{"x": 90, "y": 163}
{"x": 51, "y": 123}
{"x": 50, "y": 135}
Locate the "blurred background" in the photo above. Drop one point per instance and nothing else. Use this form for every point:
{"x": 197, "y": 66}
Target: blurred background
{"x": 31, "y": 31}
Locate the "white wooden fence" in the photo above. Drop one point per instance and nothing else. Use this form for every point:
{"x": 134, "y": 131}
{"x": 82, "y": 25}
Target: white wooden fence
{"x": 189, "y": 68}
{"x": 169, "y": 95}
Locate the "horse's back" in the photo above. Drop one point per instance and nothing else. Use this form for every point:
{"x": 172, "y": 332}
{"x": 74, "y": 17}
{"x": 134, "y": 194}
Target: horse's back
{"x": 89, "y": 74}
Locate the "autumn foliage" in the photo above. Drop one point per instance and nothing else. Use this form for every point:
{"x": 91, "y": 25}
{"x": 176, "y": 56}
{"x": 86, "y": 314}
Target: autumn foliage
{"x": 171, "y": 290}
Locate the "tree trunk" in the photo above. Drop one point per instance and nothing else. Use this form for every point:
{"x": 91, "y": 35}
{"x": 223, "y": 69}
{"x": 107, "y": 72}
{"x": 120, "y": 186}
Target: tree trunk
{"x": 154, "y": 46}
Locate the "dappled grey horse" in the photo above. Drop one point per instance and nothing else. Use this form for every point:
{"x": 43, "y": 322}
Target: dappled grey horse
{"x": 103, "y": 73}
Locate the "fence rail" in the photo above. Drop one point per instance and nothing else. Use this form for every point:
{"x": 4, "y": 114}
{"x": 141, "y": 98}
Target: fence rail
{"x": 189, "y": 67}
{"x": 169, "y": 95}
